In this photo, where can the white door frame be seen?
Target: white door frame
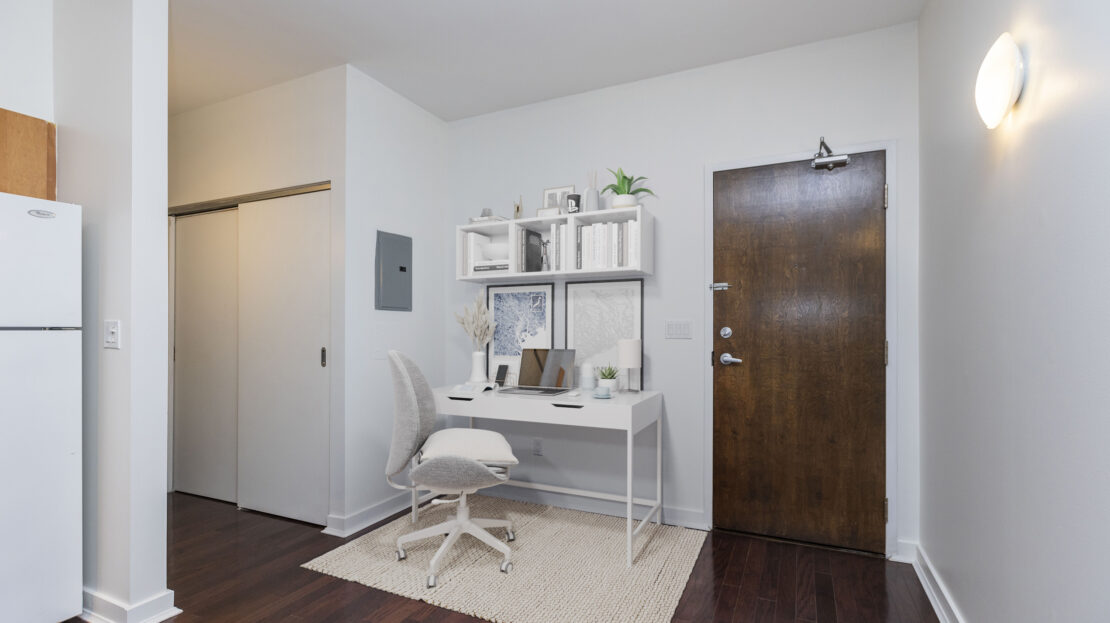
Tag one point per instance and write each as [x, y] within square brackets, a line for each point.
[172, 345]
[891, 323]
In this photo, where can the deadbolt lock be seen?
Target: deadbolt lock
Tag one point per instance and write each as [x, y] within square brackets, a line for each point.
[726, 332]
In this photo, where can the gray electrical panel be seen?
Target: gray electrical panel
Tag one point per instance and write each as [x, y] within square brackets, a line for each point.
[393, 270]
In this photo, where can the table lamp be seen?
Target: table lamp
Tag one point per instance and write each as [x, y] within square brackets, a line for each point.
[629, 357]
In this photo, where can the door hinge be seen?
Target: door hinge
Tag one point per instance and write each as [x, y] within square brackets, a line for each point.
[711, 360]
[324, 357]
[886, 196]
[886, 510]
[886, 353]
[720, 285]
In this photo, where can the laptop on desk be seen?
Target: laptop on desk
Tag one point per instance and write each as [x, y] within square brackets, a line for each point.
[544, 372]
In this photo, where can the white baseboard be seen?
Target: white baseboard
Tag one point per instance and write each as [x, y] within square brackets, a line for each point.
[100, 608]
[345, 526]
[936, 589]
[674, 516]
[906, 552]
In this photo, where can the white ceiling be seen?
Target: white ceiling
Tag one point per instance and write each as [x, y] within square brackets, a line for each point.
[459, 58]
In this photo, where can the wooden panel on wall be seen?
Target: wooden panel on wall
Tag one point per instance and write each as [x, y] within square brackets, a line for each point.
[28, 162]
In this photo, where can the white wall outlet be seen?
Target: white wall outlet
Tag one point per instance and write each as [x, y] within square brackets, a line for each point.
[537, 447]
[678, 330]
[112, 334]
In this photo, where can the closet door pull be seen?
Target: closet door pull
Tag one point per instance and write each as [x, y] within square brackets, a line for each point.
[324, 357]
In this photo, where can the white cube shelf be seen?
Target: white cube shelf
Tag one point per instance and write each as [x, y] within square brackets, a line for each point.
[640, 262]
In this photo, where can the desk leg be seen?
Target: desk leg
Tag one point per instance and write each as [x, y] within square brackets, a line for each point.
[659, 470]
[629, 502]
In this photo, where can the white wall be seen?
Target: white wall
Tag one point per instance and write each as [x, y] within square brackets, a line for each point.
[111, 100]
[386, 159]
[284, 135]
[27, 57]
[1015, 297]
[853, 90]
[396, 182]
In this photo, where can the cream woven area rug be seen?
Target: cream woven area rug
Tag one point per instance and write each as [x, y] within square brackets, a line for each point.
[567, 566]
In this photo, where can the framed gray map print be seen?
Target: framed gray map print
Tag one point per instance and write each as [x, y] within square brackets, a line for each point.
[522, 315]
[599, 313]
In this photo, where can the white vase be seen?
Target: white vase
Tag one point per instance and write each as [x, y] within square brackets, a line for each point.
[478, 368]
[610, 383]
[624, 201]
[591, 199]
[586, 378]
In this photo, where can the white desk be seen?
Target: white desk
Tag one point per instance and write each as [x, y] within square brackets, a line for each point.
[629, 412]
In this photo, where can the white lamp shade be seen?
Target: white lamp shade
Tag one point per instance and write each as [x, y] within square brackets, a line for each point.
[628, 353]
[1001, 77]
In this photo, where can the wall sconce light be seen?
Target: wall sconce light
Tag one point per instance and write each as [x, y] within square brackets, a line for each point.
[1001, 77]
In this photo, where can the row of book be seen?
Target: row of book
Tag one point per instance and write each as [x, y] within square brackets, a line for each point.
[603, 246]
[597, 246]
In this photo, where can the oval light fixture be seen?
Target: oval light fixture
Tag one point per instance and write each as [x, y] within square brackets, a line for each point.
[1001, 77]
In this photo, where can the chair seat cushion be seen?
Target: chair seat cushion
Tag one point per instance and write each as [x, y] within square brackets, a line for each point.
[484, 446]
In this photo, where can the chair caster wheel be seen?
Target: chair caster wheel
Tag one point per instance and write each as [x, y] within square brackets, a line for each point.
[506, 567]
[431, 581]
[401, 554]
[510, 536]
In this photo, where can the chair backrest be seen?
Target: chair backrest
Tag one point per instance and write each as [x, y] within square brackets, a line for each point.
[414, 412]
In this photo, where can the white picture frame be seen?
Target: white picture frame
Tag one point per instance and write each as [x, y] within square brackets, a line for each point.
[523, 315]
[598, 314]
[555, 198]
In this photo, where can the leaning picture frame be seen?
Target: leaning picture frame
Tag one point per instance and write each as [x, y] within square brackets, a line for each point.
[600, 313]
[555, 198]
[523, 315]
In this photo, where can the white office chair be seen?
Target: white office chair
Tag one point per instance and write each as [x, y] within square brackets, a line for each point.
[453, 461]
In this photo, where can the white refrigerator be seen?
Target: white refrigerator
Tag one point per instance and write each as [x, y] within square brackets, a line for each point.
[40, 410]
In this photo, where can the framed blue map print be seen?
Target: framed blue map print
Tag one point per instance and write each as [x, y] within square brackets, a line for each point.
[522, 315]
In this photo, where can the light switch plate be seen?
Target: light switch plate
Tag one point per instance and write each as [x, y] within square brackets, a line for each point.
[678, 330]
[112, 334]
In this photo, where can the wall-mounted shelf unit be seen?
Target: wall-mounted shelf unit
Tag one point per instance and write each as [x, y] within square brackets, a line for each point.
[616, 243]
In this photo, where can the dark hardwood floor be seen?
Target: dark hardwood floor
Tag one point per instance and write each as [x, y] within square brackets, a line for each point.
[231, 565]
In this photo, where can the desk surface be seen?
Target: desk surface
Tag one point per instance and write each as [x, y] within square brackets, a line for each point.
[623, 411]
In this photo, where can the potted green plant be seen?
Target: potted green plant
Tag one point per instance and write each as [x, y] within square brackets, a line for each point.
[623, 191]
[607, 377]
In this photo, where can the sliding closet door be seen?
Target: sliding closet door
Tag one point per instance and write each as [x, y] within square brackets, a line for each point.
[206, 343]
[284, 308]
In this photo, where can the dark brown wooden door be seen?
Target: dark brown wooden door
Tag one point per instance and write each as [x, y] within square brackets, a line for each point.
[799, 425]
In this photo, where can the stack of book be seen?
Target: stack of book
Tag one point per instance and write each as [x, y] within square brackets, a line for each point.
[606, 246]
[476, 259]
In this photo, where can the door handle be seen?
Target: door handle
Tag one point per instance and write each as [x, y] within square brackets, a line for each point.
[727, 359]
[324, 357]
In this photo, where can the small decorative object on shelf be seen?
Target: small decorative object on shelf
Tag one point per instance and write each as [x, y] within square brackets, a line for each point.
[518, 208]
[625, 194]
[487, 215]
[574, 203]
[590, 197]
[478, 323]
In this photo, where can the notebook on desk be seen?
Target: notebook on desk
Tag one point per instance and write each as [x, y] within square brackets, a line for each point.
[544, 372]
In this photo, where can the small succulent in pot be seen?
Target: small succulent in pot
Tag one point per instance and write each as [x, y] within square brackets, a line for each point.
[608, 372]
[625, 194]
[607, 377]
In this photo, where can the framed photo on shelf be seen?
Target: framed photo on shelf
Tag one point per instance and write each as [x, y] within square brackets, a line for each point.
[598, 314]
[555, 198]
[523, 314]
